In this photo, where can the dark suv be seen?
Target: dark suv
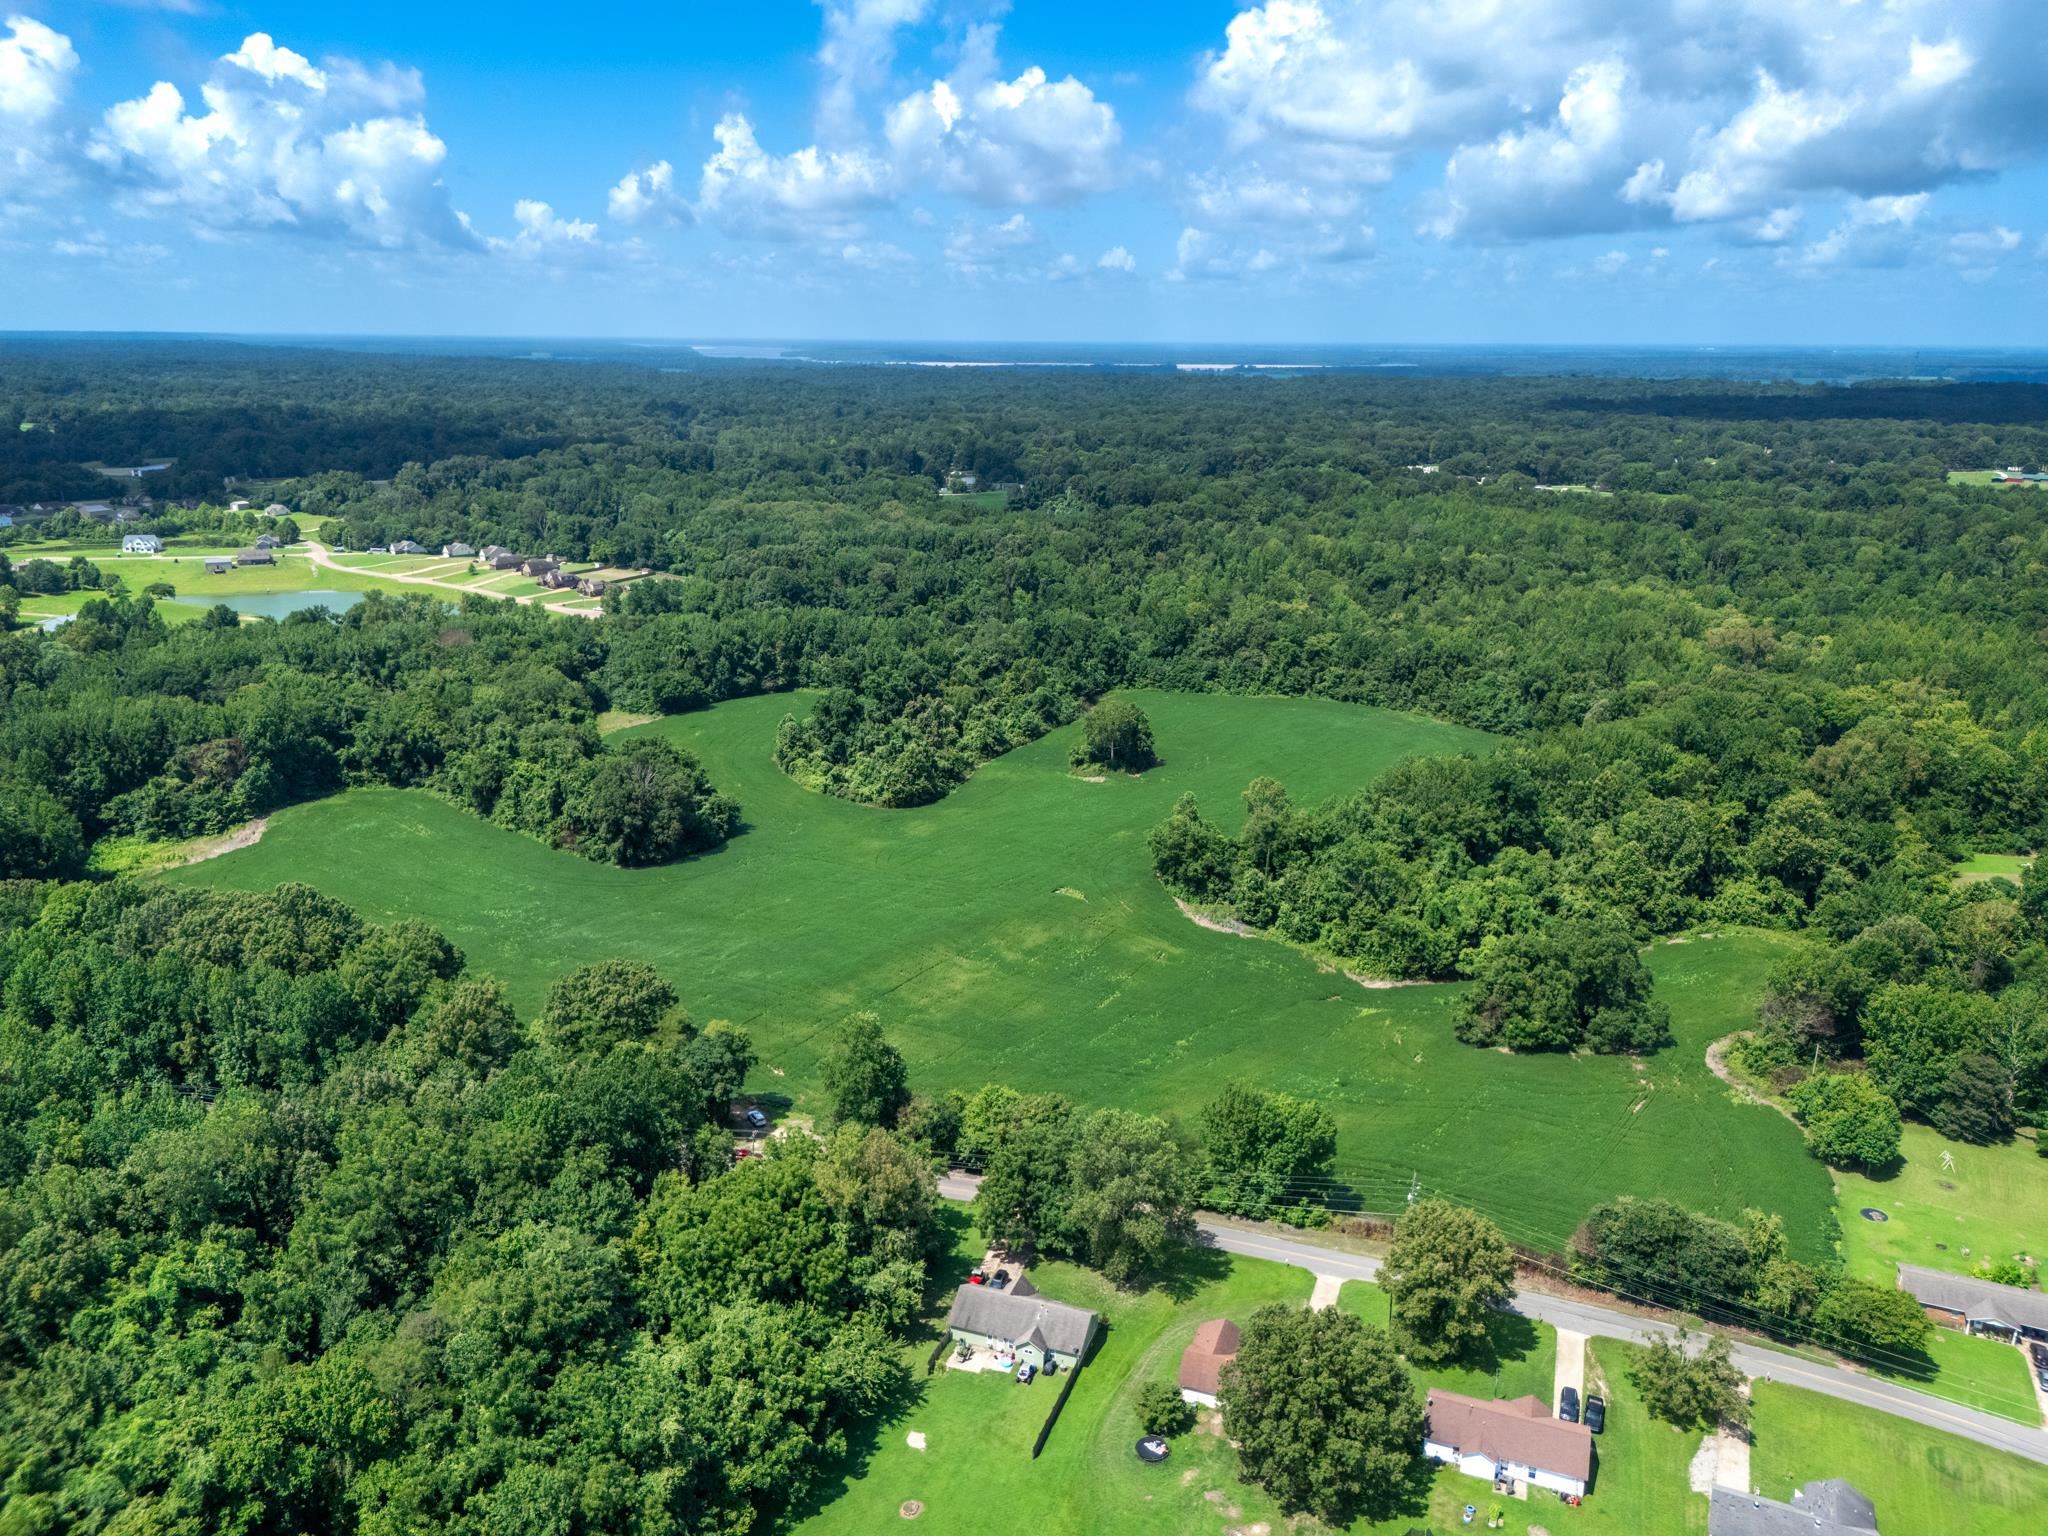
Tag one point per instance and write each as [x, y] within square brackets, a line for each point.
[1596, 1413]
[1568, 1405]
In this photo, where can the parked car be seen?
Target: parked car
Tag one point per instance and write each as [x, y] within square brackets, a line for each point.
[1568, 1405]
[1002, 1278]
[1596, 1413]
[1025, 1372]
[757, 1120]
[2039, 1353]
[977, 1278]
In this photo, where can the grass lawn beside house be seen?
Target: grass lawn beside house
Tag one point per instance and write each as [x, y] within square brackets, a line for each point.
[1991, 1204]
[1923, 1482]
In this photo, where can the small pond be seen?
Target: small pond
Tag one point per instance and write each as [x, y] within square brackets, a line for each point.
[276, 605]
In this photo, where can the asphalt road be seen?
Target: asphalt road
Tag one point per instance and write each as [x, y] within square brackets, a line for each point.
[1609, 1323]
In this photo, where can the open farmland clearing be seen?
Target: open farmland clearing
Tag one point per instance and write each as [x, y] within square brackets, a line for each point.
[950, 920]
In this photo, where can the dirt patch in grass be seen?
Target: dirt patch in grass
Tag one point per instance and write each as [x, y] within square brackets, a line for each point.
[227, 842]
[1228, 925]
[1717, 1063]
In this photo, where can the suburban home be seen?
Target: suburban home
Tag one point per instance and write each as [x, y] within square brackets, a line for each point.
[591, 586]
[540, 565]
[557, 579]
[1202, 1362]
[94, 511]
[492, 551]
[141, 544]
[408, 547]
[1021, 1324]
[961, 480]
[1977, 1306]
[218, 565]
[457, 552]
[1513, 1441]
[277, 509]
[254, 557]
[505, 560]
[1832, 1508]
[267, 541]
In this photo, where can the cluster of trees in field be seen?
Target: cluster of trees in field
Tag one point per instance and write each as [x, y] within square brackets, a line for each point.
[303, 1229]
[1936, 1010]
[121, 724]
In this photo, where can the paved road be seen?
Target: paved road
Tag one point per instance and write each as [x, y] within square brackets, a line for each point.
[1610, 1323]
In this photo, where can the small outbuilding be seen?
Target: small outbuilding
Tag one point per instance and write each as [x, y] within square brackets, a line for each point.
[1021, 1325]
[1514, 1441]
[141, 544]
[1831, 1508]
[1201, 1363]
[218, 565]
[1977, 1306]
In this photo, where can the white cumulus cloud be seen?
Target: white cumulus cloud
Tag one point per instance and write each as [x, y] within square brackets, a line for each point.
[649, 197]
[809, 192]
[1666, 111]
[1117, 259]
[277, 142]
[1002, 142]
[37, 65]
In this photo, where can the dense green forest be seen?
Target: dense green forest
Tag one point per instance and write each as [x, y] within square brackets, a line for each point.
[302, 1230]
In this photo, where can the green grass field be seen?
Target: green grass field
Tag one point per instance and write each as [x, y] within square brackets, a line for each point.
[1992, 866]
[1014, 932]
[1922, 1481]
[1519, 1360]
[1991, 1204]
[1983, 477]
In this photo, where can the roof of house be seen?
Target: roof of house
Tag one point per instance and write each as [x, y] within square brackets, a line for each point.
[1214, 1347]
[1831, 1508]
[1028, 1319]
[1519, 1430]
[254, 556]
[1978, 1300]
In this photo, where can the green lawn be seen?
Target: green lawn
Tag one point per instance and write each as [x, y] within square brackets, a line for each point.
[1014, 932]
[1983, 477]
[1979, 867]
[1991, 1204]
[1922, 1481]
[1519, 1360]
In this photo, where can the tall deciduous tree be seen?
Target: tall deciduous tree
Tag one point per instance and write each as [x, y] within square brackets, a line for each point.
[1265, 1150]
[864, 1076]
[1448, 1270]
[1694, 1390]
[1133, 1193]
[1322, 1411]
[1115, 735]
[1848, 1119]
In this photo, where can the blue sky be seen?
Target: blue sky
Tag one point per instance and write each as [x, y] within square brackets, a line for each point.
[1686, 171]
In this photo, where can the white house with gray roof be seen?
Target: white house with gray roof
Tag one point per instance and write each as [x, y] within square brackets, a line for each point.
[1022, 1323]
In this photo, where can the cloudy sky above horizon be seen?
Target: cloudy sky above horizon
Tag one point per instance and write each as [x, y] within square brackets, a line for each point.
[1692, 171]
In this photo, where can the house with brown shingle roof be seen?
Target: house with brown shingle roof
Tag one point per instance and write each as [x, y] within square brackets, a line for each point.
[1201, 1363]
[1515, 1440]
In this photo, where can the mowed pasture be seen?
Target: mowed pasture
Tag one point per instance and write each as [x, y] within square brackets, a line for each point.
[1014, 932]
